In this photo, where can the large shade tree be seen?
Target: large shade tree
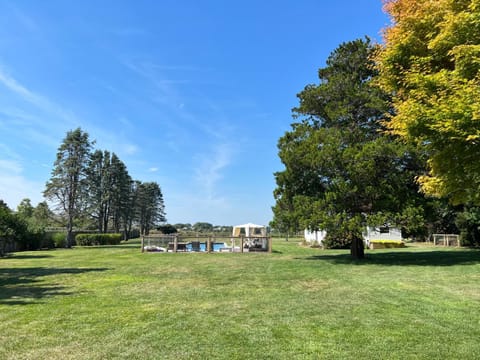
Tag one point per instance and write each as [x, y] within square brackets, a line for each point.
[431, 62]
[341, 171]
[66, 187]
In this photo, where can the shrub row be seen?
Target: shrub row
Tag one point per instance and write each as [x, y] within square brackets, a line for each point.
[98, 239]
[385, 244]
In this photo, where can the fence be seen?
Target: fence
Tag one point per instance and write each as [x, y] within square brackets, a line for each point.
[206, 243]
[446, 239]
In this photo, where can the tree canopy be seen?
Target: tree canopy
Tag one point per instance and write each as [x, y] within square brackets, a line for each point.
[95, 190]
[66, 187]
[150, 207]
[431, 61]
[340, 169]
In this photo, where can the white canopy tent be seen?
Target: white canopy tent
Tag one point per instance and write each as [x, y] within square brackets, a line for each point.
[249, 230]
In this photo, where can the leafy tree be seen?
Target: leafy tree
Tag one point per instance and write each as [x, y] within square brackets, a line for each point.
[66, 186]
[185, 227]
[42, 215]
[31, 224]
[13, 228]
[26, 212]
[25, 209]
[3, 205]
[341, 172]
[468, 223]
[223, 229]
[203, 227]
[431, 62]
[167, 229]
[285, 219]
[5, 214]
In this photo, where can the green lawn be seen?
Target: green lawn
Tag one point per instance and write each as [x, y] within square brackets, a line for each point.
[296, 303]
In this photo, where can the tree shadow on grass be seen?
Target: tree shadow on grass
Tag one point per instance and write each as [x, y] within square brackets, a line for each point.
[27, 256]
[19, 286]
[403, 258]
[117, 247]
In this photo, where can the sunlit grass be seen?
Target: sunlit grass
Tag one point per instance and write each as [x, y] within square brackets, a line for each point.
[296, 303]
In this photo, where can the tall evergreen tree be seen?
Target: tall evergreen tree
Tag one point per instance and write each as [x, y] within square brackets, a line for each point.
[129, 212]
[120, 191]
[109, 187]
[67, 183]
[99, 188]
[150, 208]
[341, 171]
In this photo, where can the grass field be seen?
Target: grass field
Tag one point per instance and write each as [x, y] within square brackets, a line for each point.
[296, 303]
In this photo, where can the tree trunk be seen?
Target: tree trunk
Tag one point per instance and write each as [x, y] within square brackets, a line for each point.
[100, 223]
[2, 246]
[69, 239]
[357, 250]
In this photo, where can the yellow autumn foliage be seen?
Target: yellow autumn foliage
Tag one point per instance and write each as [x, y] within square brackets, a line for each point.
[430, 61]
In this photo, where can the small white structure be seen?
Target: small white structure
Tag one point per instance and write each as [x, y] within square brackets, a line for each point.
[314, 237]
[382, 233]
[371, 233]
[249, 230]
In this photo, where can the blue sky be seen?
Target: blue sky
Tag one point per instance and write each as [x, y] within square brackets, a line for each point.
[191, 94]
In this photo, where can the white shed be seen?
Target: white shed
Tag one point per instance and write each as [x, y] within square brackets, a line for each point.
[382, 233]
[371, 233]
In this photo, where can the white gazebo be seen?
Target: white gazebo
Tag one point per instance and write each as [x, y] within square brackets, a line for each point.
[249, 230]
[253, 237]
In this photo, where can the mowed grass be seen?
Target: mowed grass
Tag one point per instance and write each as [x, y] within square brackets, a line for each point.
[296, 303]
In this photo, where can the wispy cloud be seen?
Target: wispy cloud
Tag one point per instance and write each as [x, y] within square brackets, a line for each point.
[125, 122]
[131, 149]
[14, 186]
[208, 173]
[50, 132]
[23, 19]
[9, 152]
[26, 120]
[10, 166]
[209, 131]
[154, 74]
[28, 125]
[36, 99]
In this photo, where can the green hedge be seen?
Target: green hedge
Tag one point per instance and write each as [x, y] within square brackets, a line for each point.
[385, 244]
[98, 239]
